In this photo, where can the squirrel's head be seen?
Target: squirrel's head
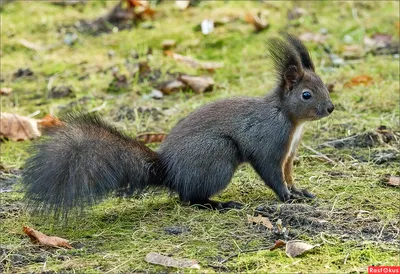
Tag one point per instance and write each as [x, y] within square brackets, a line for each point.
[302, 92]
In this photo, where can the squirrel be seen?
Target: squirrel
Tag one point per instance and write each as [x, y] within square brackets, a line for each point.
[85, 159]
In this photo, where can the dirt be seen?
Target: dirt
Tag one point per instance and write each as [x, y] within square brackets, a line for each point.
[61, 91]
[23, 72]
[176, 230]
[129, 113]
[8, 178]
[366, 139]
[300, 219]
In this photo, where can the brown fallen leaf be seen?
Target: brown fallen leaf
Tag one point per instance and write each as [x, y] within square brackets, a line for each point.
[394, 181]
[353, 52]
[168, 44]
[296, 247]
[42, 239]
[171, 86]
[277, 244]
[378, 40]
[155, 258]
[205, 65]
[359, 80]
[260, 220]
[141, 9]
[18, 128]
[148, 138]
[257, 21]
[5, 91]
[198, 84]
[312, 37]
[330, 87]
[382, 44]
[49, 121]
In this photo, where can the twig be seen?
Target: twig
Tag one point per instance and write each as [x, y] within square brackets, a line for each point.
[345, 259]
[34, 114]
[218, 266]
[98, 108]
[320, 155]
[381, 232]
[338, 141]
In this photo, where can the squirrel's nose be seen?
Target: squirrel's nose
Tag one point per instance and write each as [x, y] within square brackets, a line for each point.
[330, 108]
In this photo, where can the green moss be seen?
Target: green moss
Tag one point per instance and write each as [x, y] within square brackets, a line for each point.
[118, 233]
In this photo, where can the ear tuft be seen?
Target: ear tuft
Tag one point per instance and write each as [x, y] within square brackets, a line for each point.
[286, 61]
[301, 50]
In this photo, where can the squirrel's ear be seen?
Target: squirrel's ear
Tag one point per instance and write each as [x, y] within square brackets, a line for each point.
[292, 75]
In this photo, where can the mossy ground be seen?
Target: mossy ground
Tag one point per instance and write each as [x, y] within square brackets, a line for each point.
[355, 218]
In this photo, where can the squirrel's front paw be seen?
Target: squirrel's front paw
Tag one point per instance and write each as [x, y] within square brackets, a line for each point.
[284, 195]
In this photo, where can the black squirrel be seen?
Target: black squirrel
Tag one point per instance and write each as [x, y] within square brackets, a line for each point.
[83, 160]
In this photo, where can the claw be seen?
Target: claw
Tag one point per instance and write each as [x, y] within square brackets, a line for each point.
[307, 194]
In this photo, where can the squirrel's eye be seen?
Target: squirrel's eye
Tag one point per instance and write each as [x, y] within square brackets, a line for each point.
[306, 95]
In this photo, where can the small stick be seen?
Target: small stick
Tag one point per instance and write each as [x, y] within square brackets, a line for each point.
[345, 259]
[320, 155]
[338, 141]
[98, 108]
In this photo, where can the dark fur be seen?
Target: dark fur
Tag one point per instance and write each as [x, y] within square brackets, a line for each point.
[86, 159]
[80, 163]
[305, 57]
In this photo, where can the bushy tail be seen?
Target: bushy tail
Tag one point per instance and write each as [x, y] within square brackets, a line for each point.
[82, 161]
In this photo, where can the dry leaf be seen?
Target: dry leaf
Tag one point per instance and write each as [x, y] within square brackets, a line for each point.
[296, 247]
[49, 121]
[257, 21]
[141, 9]
[148, 138]
[330, 87]
[18, 128]
[198, 84]
[277, 244]
[296, 13]
[353, 52]
[380, 44]
[210, 66]
[359, 80]
[155, 258]
[171, 86]
[182, 4]
[378, 40]
[168, 44]
[5, 91]
[260, 220]
[156, 94]
[42, 239]
[394, 181]
[312, 37]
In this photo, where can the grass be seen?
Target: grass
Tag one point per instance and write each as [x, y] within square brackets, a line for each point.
[361, 212]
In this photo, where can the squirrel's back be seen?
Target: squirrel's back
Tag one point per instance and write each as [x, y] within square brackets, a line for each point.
[202, 152]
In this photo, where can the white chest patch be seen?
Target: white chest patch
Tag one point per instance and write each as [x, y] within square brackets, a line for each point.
[296, 138]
